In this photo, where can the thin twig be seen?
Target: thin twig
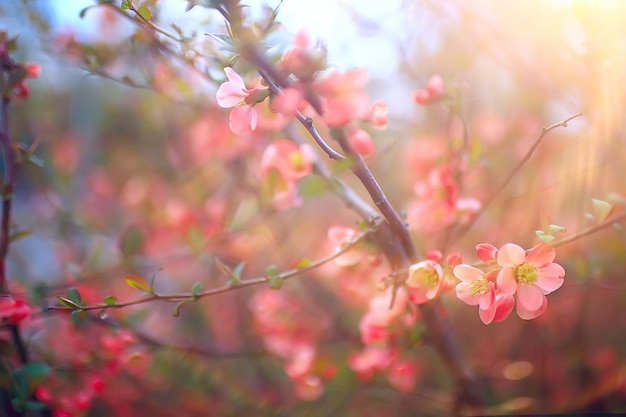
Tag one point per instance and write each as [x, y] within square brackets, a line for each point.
[466, 226]
[176, 297]
[589, 231]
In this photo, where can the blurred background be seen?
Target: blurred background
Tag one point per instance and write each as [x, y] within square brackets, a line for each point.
[137, 173]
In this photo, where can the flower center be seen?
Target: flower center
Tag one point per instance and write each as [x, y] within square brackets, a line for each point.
[479, 287]
[296, 160]
[428, 278]
[526, 274]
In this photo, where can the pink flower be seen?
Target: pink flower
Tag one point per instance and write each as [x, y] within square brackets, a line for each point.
[234, 93]
[476, 289]
[376, 323]
[290, 160]
[13, 310]
[531, 276]
[341, 236]
[402, 375]
[487, 253]
[343, 97]
[433, 91]
[370, 360]
[377, 114]
[425, 281]
[360, 140]
[283, 163]
[302, 60]
[437, 204]
[287, 102]
[309, 388]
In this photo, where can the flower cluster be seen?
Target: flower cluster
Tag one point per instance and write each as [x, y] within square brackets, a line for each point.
[428, 278]
[433, 91]
[438, 204]
[289, 333]
[382, 328]
[284, 163]
[512, 275]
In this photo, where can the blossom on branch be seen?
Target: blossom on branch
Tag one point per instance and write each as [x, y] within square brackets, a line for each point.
[425, 281]
[531, 276]
[512, 274]
[234, 94]
[343, 97]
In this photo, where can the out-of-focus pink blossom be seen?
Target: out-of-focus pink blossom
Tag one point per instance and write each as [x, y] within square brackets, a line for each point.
[377, 114]
[340, 236]
[292, 161]
[288, 101]
[360, 140]
[302, 60]
[437, 204]
[343, 97]
[283, 163]
[375, 324]
[370, 360]
[402, 375]
[309, 388]
[13, 310]
[424, 282]
[433, 91]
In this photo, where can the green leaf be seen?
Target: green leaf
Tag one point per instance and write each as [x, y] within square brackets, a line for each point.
[82, 13]
[196, 239]
[110, 300]
[343, 165]
[19, 234]
[144, 12]
[312, 186]
[303, 263]
[74, 295]
[554, 228]
[276, 282]
[545, 238]
[239, 269]
[601, 209]
[153, 277]
[138, 283]
[195, 290]
[65, 302]
[131, 241]
[271, 272]
[224, 269]
[247, 209]
[179, 306]
[124, 6]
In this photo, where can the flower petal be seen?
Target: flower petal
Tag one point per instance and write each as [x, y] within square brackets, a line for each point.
[486, 300]
[530, 296]
[541, 255]
[511, 255]
[464, 294]
[487, 316]
[240, 118]
[504, 305]
[506, 281]
[525, 314]
[467, 273]
[550, 277]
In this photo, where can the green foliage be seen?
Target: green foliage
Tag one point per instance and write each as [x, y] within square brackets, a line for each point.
[132, 241]
[139, 283]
